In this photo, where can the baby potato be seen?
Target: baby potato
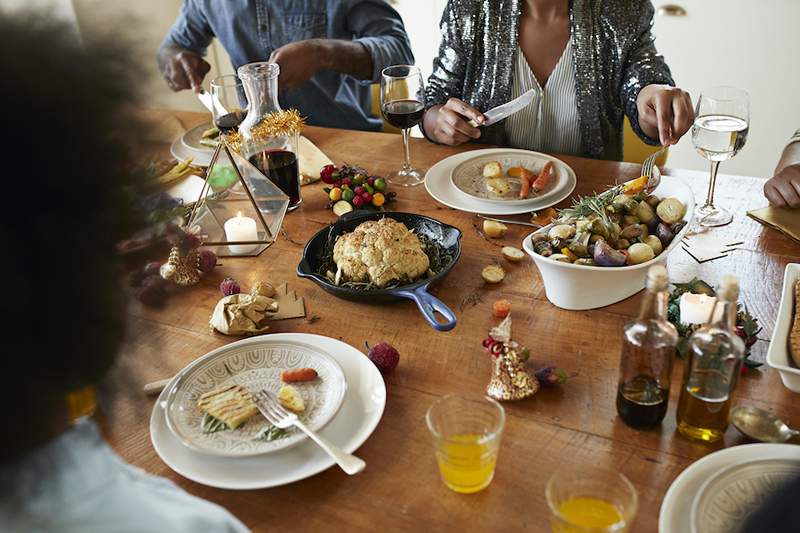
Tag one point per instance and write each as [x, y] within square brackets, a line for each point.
[512, 254]
[671, 210]
[493, 274]
[492, 169]
[655, 243]
[493, 229]
[639, 253]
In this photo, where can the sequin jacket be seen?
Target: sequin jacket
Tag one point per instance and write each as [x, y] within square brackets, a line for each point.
[614, 56]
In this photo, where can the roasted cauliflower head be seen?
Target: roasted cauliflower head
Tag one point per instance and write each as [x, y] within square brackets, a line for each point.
[379, 252]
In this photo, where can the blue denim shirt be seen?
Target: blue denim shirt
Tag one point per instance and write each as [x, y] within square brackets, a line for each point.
[251, 29]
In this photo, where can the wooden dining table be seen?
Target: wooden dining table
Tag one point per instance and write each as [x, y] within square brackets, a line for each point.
[574, 425]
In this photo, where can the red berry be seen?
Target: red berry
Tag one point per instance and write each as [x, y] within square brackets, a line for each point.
[326, 174]
[367, 197]
[358, 201]
[152, 291]
[347, 181]
[189, 241]
[371, 182]
[384, 356]
[551, 376]
[229, 286]
[359, 190]
[208, 260]
[152, 268]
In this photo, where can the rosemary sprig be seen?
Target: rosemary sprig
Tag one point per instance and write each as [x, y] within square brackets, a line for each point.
[209, 424]
[270, 433]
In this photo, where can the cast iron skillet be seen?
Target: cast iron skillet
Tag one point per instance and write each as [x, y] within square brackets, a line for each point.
[448, 237]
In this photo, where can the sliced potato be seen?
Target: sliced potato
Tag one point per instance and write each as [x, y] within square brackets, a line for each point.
[341, 207]
[290, 398]
[493, 274]
[493, 229]
[492, 169]
[512, 254]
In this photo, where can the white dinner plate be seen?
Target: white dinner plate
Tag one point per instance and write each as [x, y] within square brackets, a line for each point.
[357, 418]
[728, 498]
[675, 513]
[439, 184]
[188, 146]
[256, 366]
[467, 178]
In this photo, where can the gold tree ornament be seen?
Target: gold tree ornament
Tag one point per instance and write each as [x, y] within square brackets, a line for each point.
[239, 211]
[510, 380]
[182, 267]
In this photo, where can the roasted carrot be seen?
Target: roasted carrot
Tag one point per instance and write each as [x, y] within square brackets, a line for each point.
[525, 178]
[298, 374]
[544, 177]
[525, 186]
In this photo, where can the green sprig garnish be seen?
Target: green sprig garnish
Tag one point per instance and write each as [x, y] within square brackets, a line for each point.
[209, 424]
[270, 433]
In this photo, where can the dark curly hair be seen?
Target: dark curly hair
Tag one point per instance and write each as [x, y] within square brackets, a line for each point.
[68, 116]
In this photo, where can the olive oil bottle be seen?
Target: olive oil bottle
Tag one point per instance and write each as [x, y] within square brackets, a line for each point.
[715, 355]
[648, 346]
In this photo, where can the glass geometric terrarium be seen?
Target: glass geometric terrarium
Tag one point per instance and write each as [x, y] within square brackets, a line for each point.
[240, 211]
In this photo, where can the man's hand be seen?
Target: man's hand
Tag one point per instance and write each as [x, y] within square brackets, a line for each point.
[449, 124]
[298, 61]
[182, 69]
[783, 189]
[665, 113]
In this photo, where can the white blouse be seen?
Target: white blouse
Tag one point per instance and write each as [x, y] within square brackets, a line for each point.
[550, 122]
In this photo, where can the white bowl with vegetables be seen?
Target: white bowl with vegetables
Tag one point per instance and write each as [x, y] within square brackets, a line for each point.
[598, 252]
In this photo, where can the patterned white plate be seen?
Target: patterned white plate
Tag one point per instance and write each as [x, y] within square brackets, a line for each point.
[440, 186]
[188, 146]
[727, 499]
[467, 178]
[675, 514]
[256, 366]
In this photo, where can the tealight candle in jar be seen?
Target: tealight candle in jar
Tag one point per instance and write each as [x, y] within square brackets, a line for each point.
[241, 228]
[697, 308]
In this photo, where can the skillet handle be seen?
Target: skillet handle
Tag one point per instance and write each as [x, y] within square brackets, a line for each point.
[429, 305]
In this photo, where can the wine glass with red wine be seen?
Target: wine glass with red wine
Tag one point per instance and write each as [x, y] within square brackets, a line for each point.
[229, 103]
[403, 104]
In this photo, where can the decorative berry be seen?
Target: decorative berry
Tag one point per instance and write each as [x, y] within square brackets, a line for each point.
[347, 181]
[348, 195]
[358, 201]
[391, 196]
[326, 174]
[136, 278]
[367, 197]
[384, 356]
[378, 199]
[369, 189]
[207, 261]
[229, 286]
[335, 195]
[371, 182]
[152, 268]
[152, 291]
[550, 376]
[358, 179]
[379, 184]
[359, 190]
[188, 241]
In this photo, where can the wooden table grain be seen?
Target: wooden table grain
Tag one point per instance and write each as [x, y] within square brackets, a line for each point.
[573, 425]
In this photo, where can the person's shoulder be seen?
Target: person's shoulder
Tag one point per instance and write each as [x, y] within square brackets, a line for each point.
[622, 11]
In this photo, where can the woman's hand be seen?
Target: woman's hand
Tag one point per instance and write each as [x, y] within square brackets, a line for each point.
[665, 112]
[449, 123]
[783, 189]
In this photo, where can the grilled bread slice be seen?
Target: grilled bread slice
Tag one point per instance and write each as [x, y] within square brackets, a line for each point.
[290, 399]
[794, 333]
[231, 404]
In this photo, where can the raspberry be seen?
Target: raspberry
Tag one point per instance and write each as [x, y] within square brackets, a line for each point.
[208, 260]
[384, 356]
[229, 286]
[326, 174]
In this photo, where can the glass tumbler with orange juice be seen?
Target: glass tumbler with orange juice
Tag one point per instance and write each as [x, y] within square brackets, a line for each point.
[591, 500]
[466, 433]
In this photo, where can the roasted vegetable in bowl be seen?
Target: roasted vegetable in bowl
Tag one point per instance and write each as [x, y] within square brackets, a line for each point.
[612, 229]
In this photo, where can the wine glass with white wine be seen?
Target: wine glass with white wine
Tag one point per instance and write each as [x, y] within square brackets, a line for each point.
[722, 120]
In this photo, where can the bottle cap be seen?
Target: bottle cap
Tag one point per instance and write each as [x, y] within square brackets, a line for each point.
[657, 278]
[729, 288]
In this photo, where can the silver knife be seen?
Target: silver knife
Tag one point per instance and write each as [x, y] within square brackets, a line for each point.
[506, 110]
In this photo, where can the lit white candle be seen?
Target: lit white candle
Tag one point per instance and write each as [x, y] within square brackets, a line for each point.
[696, 308]
[241, 228]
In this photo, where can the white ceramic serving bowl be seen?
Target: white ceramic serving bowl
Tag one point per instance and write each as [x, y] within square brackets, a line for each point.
[577, 287]
[778, 353]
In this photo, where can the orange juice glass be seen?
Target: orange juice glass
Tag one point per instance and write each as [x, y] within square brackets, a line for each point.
[466, 433]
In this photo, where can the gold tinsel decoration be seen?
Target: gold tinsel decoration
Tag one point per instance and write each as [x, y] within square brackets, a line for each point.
[182, 269]
[288, 122]
[510, 380]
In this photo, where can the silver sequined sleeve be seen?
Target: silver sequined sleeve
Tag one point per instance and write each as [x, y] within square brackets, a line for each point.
[449, 67]
[643, 66]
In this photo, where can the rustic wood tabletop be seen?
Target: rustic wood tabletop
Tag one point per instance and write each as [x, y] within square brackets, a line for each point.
[572, 425]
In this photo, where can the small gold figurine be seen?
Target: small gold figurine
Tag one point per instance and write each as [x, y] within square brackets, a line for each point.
[182, 268]
[510, 380]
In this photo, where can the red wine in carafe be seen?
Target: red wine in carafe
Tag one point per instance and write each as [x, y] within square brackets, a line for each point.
[228, 123]
[280, 166]
[403, 114]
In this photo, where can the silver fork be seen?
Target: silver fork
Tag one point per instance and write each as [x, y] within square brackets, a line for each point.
[277, 415]
[647, 170]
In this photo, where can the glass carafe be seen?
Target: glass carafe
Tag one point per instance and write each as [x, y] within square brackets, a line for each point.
[274, 154]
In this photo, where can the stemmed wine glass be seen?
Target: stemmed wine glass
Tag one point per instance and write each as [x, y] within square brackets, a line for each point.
[228, 102]
[403, 104]
[722, 119]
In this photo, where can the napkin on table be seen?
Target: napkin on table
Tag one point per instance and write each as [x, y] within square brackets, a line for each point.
[704, 247]
[312, 159]
[787, 221]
